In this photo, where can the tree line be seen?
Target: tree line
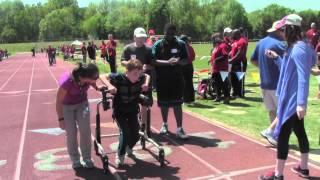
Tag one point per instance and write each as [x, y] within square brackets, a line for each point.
[65, 20]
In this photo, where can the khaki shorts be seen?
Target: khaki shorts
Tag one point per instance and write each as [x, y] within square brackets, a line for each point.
[270, 99]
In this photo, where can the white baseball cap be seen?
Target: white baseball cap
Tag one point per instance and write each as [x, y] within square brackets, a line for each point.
[227, 30]
[275, 26]
[140, 32]
[291, 19]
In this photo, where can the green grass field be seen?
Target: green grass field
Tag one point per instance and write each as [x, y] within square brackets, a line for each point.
[247, 115]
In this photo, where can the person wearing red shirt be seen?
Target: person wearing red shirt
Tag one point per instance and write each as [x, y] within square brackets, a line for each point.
[111, 46]
[84, 52]
[227, 32]
[313, 35]
[152, 38]
[237, 60]
[51, 55]
[219, 63]
[103, 50]
[187, 70]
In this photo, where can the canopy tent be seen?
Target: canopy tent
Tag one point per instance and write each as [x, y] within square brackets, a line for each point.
[76, 42]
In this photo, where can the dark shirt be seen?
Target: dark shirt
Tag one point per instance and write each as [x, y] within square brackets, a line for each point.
[127, 97]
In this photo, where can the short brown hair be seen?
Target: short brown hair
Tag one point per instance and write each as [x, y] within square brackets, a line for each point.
[133, 64]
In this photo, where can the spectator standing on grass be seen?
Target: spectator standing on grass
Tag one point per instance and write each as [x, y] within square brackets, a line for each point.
[92, 52]
[187, 69]
[313, 35]
[84, 52]
[237, 60]
[269, 73]
[219, 63]
[111, 47]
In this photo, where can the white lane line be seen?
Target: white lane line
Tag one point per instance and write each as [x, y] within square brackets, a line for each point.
[5, 83]
[23, 132]
[238, 172]
[205, 163]
[220, 125]
[12, 92]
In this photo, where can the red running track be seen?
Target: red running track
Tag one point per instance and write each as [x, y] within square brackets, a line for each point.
[33, 148]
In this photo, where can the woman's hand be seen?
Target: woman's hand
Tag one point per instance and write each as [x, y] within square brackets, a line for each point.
[301, 112]
[271, 54]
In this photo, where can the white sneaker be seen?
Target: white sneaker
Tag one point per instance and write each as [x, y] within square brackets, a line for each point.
[268, 134]
[119, 161]
[181, 134]
[272, 141]
[164, 128]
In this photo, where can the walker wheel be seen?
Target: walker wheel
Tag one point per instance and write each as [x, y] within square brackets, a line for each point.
[105, 164]
[143, 142]
[161, 157]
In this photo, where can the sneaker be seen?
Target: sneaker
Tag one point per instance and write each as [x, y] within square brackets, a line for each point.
[272, 141]
[268, 134]
[164, 128]
[181, 134]
[301, 172]
[270, 176]
[119, 161]
[77, 165]
[88, 164]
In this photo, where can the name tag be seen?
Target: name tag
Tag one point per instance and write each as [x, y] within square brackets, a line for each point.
[133, 56]
[174, 51]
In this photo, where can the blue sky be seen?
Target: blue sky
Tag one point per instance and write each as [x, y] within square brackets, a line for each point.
[249, 5]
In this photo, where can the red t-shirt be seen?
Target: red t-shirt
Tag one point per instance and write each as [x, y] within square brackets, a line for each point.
[318, 51]
[103, 49]
[111, 47]
[239, 45]
[192, 54]
[222, 64]
[84, 50]
[312, 35]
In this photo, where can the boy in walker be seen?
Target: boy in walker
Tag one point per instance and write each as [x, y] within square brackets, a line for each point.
[126, 89]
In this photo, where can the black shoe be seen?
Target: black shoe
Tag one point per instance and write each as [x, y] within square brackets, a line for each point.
[301, 172]
[226, 100]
